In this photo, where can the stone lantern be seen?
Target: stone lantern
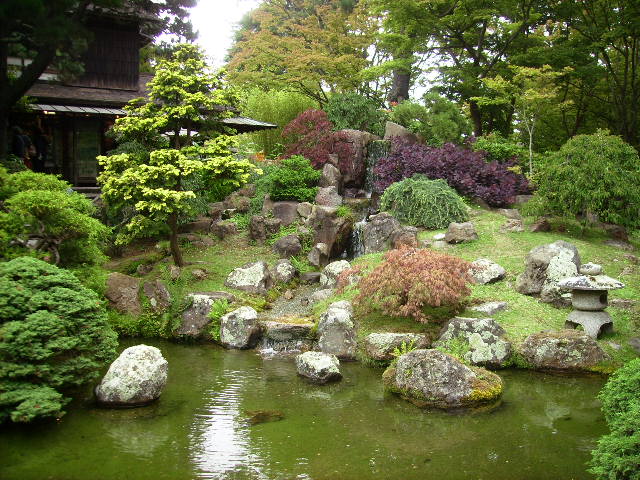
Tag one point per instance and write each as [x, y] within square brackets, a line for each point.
[589, 292]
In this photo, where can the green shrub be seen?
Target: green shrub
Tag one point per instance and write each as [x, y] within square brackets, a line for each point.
[219, 308]
[597, 174]
[424, 203]
[618, 454]
[54, 337]
[351, 110]
[241, 220]
[43, 216]
[500, 149]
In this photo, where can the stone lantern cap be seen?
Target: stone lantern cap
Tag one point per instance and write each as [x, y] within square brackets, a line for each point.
[588, 282]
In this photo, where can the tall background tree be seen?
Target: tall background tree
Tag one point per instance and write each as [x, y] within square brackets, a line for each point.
[54, 33]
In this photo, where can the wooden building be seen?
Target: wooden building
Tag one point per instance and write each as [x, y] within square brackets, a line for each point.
[75, 115]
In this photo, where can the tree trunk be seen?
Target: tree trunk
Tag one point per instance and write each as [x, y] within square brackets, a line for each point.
[476, 118]
[400, 86]
[173, 240]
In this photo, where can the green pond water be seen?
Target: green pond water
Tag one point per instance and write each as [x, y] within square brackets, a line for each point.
[205, 427]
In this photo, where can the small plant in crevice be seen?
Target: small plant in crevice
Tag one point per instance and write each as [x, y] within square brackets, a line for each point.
[301, 264]
[219, 308]
[404, 348]
[457, 347]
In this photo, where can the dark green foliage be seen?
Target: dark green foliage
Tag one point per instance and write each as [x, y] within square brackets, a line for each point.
[43, 212]
[500, 149]
[54, 337]
[598, 174]
[351, 110]
[13, 164]
[617, 456]
[292, 179]
[424, 203]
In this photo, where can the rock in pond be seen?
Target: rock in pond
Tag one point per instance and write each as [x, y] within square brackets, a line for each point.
[283, 337]
[137, 377]
[484, 337]
[430, 378]
[566, 350]
[196, 317]
[240, 329]
[252, 277]
[318, 367]
[380, 346]
[336, 331]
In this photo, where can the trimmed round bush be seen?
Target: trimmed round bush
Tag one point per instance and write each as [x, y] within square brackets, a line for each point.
[424, 203]
[54, 337]
[598, 174]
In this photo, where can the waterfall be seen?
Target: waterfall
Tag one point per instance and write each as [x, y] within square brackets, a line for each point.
[357, 239]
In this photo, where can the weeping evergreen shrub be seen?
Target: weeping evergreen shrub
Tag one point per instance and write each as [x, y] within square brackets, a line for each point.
[422, 202]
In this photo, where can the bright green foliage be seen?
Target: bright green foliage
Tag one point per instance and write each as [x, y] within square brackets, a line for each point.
[351, 110]
[424, 203]
[292, 179]
[43, 212]
[54, 337]
[438, 121]
[219, 308]
[596, 173]
[499, 149]
[278, 107]
[618, 454]
[163, 186]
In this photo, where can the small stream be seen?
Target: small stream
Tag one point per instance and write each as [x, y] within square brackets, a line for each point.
[202, 428]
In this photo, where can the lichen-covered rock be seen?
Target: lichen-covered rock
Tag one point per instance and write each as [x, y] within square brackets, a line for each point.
[318, 367]
[485, 271]
[490, 308]
[284, 271]
[319, 255]
[545, 267]
[320, 295]
[328, 197]
[195, 318]
[460, 232]
[590, 269]
[330, 229]
[252, 277]
[568, 350]
[381, 346]
[240, 329]
[487, 347]
[430, 378]
[287, 246]
[330, 273]
[158, 295]
[512, 226]
[122, 293]
[257, 229]
[137, 377]
[378, 233]
[331, 177]
[336, 331]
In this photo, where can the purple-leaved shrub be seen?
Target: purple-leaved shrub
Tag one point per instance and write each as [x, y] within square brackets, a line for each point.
[464, 170]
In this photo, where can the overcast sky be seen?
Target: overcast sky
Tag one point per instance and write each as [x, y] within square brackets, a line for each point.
[214, 20]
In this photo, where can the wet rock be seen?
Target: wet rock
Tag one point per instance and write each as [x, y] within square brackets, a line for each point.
[240, 329]
[287, 246]
[318, 367]
[569, 350]
[354, 167]
[319, 255]
[309, 278]
[490, 308]
[430, 378]
[328, 197]
[331, 177]
[287, 212]
[252, 277]
[195, 318]
[378, 233]
[485, 271]
[381, 346]
[333, 231]
[484, 336]
[286, 337]
[256, 417]
[461, 232]
[330, 273]
[336, 332]
[545, 267]
[137, 377]
[122, 293]
[158, 295]
[224, 229]
[284, 271]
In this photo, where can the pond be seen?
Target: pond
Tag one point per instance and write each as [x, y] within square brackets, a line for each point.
[235, 415]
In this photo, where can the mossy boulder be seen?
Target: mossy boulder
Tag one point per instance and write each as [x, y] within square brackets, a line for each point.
[433, 379]
[564, 350]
